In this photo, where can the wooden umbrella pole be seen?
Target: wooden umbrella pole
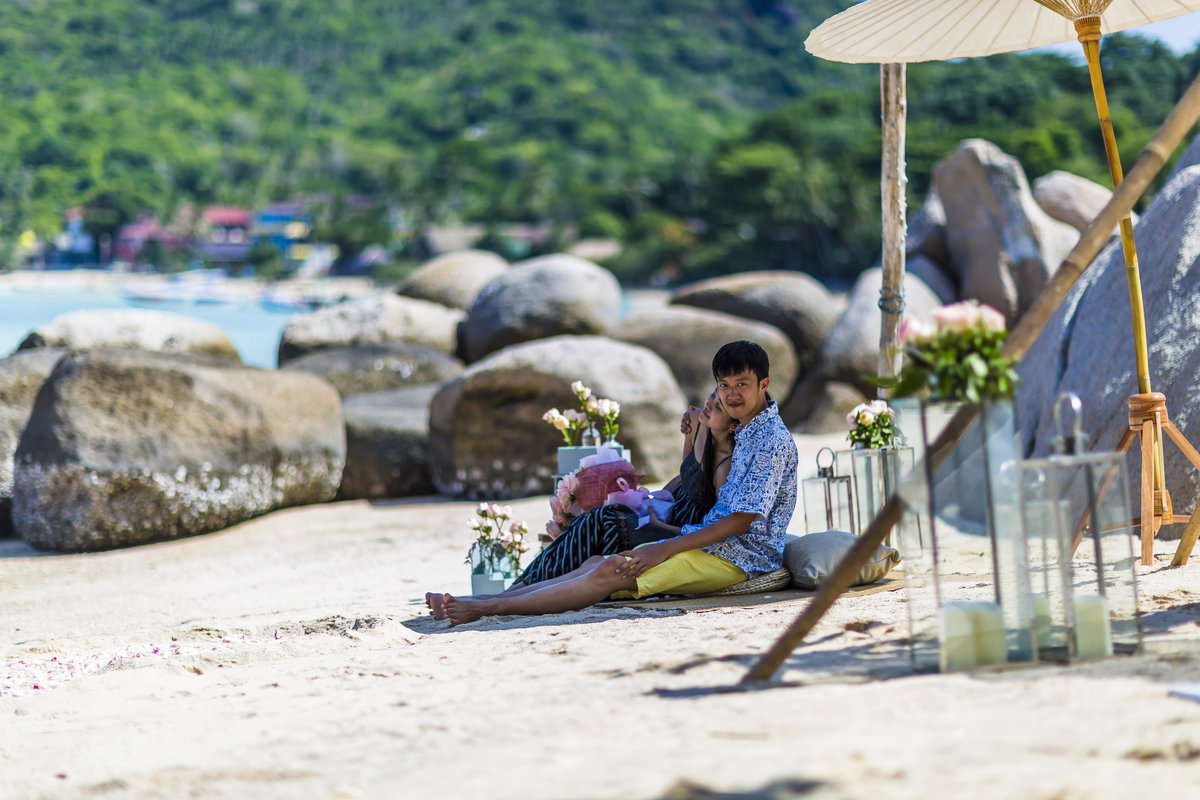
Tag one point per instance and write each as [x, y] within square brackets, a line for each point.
[1088, 30]
[1182, 117]
[894, 111]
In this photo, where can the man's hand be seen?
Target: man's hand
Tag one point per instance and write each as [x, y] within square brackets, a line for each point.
[643, 558]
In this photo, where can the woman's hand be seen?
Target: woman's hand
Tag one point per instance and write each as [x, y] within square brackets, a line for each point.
[657, 522]
[642, 559]
[685, 424]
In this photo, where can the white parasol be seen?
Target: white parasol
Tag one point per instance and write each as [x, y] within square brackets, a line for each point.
[885, 31]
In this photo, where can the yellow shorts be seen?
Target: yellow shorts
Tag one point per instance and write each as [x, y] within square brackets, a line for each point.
[689, 572]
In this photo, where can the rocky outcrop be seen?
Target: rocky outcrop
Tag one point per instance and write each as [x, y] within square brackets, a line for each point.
[539, 298]
[1071, 199]
[387, 444]
[371, 320]
[793, 302]
[487, 438]
[127, 447]
[926, 235]
[851, 351]
[21, 377]
[378, 367]
[828, 409]
[934, 278]
[453, 279]
[1002, 246]
[688, 338]
[1087, 347]
[134, 328]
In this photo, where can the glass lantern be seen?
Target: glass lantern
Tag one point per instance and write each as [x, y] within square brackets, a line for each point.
[966, 570]
[827, 503]
[1081, 547]
[874, 477]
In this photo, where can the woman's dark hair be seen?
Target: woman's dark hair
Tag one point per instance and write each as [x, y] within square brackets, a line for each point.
[741, 356]
[708, 469]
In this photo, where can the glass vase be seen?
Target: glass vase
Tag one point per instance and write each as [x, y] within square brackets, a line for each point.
[966, 569]
[569, 457]
[1082, 553]
[874, 476]
[611, 443]
[492, 569]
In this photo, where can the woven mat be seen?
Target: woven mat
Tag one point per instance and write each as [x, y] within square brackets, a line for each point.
[888, 584]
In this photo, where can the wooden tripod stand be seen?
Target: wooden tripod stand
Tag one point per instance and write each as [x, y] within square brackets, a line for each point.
[1148, 418]
[1148, 421]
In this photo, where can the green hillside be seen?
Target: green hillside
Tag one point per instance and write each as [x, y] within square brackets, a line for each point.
[698, 131]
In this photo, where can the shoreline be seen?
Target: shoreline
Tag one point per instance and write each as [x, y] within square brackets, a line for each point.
[101, 279]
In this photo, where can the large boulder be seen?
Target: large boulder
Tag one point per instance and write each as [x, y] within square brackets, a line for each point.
[125, 447]
[539, 298]
[828, 409]
[378, 367]
[851, 351]
[793, 302]
[1087, 347]
[1071, 198]
[21, 377]
[1003, 247]
[487, 438]
[1190, 157]
[135, 328]
[934, 278]
[687, 338]
[926, 235]
[453, 279]
[371, 320]
[387, 444]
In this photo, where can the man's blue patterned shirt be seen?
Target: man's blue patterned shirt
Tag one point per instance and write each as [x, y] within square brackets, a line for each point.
[762, 481]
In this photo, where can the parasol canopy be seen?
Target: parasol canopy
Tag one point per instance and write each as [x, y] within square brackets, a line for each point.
[904, 31]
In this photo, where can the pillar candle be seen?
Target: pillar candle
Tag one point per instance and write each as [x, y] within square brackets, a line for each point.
[956, 638]
[971, 634]
[1093, 632]
[987, 622]
[1041, 617]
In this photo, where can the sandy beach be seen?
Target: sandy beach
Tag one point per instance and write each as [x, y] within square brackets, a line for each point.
[291, 657]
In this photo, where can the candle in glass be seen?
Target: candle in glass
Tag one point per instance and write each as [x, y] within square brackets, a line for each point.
[1093, 633]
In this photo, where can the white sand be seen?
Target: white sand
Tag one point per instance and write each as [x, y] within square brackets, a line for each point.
[290, 657]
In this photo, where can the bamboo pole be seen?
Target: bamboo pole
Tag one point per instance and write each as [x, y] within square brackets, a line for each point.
[1182, 117]
[1088, 31]
[893, 102]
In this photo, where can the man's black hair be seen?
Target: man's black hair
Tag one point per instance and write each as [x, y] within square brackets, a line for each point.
[741, 356]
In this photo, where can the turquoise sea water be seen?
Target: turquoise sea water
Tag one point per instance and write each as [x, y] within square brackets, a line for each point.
[253, 329]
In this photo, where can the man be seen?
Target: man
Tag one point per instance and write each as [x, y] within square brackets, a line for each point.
[741, 537]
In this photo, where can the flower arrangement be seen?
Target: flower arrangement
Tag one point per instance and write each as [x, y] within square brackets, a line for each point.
[497, 538]
[608, 411]
[872, 424]
[572, 424]
[958, 357]
[563, 507]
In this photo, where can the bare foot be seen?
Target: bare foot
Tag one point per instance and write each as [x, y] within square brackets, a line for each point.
[434, 601]
[463, 609]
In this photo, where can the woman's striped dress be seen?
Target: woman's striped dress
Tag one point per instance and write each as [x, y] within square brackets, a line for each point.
[605, 530]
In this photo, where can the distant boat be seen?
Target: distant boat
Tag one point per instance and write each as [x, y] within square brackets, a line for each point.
[286, 301]
[197, 287]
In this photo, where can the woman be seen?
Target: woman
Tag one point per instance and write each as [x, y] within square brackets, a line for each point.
[613, 528]
[708, 449]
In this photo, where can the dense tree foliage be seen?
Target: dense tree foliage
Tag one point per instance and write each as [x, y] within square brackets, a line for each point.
[700, 132]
